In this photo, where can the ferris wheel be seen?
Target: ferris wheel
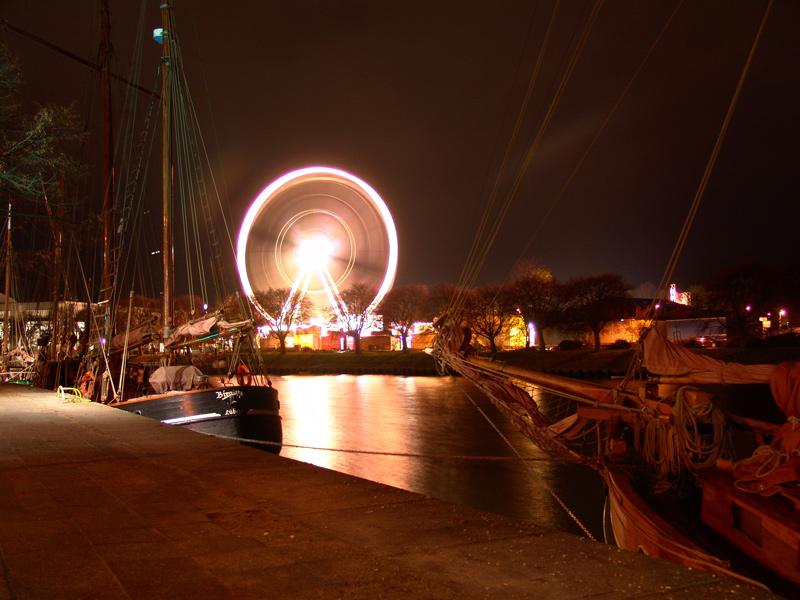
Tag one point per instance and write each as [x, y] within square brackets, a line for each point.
[317, 231]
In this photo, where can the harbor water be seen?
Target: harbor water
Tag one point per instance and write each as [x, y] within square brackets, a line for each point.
[437, 436]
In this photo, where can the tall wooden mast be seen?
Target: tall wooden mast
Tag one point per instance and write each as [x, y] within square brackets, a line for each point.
[6, 328]
[108, 159]
[166, 170]
[55, 332]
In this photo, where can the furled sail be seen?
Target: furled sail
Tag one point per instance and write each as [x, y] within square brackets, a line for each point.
[214, 324]
[663, 358]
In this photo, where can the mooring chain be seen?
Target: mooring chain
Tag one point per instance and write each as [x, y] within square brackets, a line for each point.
[555, 496]
[383, 453]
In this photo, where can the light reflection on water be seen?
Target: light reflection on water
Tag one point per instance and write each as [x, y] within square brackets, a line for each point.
[432, 417]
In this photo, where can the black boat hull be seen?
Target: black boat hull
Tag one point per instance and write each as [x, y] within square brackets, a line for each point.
[248, 413]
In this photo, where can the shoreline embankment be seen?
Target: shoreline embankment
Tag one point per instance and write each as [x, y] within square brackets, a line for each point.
[582, 364]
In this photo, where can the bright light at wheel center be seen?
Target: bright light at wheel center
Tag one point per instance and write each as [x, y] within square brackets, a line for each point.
[314, 252]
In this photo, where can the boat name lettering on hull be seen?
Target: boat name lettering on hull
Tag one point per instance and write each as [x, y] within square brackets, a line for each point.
[229, 394]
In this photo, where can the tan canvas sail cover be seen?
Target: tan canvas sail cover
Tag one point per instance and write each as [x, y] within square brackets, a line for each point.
[167, 379]
[662, 357]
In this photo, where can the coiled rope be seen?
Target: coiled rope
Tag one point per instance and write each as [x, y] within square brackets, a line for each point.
[671, 448]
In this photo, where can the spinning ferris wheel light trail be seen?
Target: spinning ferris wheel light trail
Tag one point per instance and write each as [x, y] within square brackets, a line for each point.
[312, 256]
[317, 231]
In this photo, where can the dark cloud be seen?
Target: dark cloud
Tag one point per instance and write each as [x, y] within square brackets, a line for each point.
[419, 98]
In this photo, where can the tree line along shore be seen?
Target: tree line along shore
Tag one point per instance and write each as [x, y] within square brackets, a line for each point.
[575, 363]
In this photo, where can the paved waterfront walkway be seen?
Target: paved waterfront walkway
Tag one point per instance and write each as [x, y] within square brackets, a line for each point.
[99, 503]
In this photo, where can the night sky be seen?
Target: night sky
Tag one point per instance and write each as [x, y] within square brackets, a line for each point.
[419, 98]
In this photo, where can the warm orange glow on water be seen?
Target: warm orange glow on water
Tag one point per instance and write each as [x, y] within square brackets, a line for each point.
[414, 432]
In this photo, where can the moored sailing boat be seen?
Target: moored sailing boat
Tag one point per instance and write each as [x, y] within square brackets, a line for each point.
[688, 480]
[691, 477]
[243, 406]
[148, 370]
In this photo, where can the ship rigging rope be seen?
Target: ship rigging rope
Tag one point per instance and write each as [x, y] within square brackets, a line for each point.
[194, 163]
[130, 155]
[597, 136]
[131, 218]
[517, 127]
[478, 257]
[676, 252]
[137, 161]
[225, 207]
[550, 490]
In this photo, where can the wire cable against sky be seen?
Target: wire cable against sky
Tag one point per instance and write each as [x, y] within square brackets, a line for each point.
[676, 252]
[472, 268]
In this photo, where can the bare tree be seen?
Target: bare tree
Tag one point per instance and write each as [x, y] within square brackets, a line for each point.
[234, 308]
[36, 143]
[488, 311]
[440, 297]
[536, 294]
[187, 307]
[404, 306]
[354, 314]
[789, 294]
[283, 311]
[32, 154]
[596, 300]
[743, 293]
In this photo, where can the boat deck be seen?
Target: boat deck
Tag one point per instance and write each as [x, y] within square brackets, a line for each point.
[96, 502]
